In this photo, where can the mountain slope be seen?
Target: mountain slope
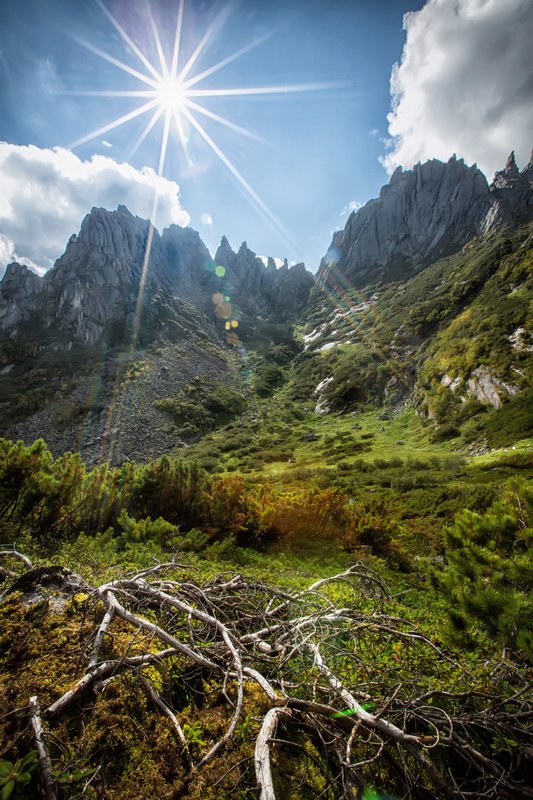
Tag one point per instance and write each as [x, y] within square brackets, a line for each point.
[116, 351]
[457, 331]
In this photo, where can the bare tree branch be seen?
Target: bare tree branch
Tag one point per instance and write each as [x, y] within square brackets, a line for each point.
[42, 750]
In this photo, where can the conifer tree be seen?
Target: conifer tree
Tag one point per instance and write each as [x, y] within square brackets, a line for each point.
[489, 571]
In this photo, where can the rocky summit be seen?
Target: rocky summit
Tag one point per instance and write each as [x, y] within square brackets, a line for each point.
[125, 320]
[424, 214]
[259, 290]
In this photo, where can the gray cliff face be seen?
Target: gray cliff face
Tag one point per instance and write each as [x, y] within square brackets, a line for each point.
[188, 267]
[422, 215]
[20, 290]
[259, 290]
[98, 274]
[97, 280]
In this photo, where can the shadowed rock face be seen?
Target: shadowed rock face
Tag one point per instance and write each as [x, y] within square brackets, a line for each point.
[98, 277]
[97, 280]
[20, 290]
[424, 214]
[256, 289]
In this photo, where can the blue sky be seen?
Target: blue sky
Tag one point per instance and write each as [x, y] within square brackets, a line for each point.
[321, 148]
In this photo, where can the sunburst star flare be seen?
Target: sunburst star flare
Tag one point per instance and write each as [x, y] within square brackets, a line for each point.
[170, 92]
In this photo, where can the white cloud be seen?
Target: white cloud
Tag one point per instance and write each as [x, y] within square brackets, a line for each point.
[107, 144]
[206, 219]
[46, 193]
[9, 254]
[374, 132]
[353, 205]
[464, 84]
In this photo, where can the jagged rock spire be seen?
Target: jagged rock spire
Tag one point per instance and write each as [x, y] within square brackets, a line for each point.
[511, 167]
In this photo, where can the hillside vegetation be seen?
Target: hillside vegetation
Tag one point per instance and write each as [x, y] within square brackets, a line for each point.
[429, 334]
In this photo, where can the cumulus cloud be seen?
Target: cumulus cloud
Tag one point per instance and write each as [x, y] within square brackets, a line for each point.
[46, 193]
[464, 84]
[9, 254]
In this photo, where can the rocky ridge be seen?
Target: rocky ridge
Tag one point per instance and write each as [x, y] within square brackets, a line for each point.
[256, 289]
[20, 290]
[97, 279]
[422, 215]
[84, 362]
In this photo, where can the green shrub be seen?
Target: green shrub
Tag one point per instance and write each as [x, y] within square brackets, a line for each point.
[446, 431]
[489, 569]
[268, 376]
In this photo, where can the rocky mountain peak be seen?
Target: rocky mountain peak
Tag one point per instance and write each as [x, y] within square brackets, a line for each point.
[512, 193]
[118, 232]
[511, 167]
[185, 264]
[96, 281]
[20, 288]
[507, 177]
[259, 289]
[296, 269]
[19, 274]
[424, 214]
[224, 252]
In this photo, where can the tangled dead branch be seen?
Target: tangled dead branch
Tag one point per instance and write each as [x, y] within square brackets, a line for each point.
[318, 658]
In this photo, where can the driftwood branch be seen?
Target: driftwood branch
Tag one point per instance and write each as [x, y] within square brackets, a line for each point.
[18, 557]
[42, 750]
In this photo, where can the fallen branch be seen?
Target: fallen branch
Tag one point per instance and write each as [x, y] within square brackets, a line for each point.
[42, 750]
[263, 768]
[18, 557]
[308, 653]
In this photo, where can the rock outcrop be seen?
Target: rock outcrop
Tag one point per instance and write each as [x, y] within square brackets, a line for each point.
[258, 290]
[20, 290]
[481, 384]
[512, 195]
[422, 215]
[97, 280]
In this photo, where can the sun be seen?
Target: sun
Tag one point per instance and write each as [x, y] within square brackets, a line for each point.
[171, 94]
